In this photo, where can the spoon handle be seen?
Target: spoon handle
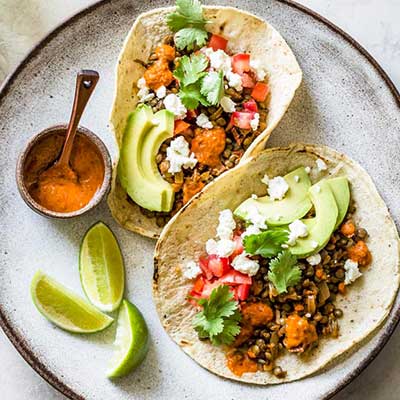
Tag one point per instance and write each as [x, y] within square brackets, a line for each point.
[86, 81]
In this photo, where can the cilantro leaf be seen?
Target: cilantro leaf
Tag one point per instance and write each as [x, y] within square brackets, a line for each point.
[188, 12]
[191, 97]
[190, 37]
[212, 87]
[266, 244]
[220, 317]
[283, 271]
[190, 70]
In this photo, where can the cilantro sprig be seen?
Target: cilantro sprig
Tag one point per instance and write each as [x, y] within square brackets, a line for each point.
[266, 244]
[212, 87]
[284, 271]
[220, 317]
[189, 24]
[191, 69]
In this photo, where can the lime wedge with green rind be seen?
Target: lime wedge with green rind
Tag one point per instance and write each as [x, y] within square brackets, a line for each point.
[101, 268]
[64, 308]
[131, 341]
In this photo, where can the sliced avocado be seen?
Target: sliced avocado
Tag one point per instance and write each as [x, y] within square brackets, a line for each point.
[341, 192]
[294, 205]
[138, 151]
[321, 227]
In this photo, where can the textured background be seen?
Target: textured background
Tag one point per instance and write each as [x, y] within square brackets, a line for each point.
[374, 23]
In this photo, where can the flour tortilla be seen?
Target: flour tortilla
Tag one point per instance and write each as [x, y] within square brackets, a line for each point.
[366, 304]
[245, 32]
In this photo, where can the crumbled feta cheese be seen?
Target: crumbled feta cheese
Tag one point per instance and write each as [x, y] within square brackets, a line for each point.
[314, 244]
[321, 166]
[277, 188]
[141, 83]
[174, 104]
[191, 270]
[352, 272]
[307, 169]
[317, 188]
[256, 218]
[219, 60]
[227, 104]
[245, 265]
[203, 122]
[296, 178]
[234, 81]
[161, 92]
[251, 230]
[315, 259]
[221, 248]
[258, 69]
[226, 224]
[178, 155]
[255, 121]
[297, 229]
[254, 196]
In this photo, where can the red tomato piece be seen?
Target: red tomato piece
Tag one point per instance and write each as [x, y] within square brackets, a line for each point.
[241, 63]
[250, 105]
[260, 91]
[203, 262]
[242, 292]
[247, 81]
[242, 119]
[198, 285]
[209, 287]
[217, 43]
[238, 247]
[234, 277]
[218, 265]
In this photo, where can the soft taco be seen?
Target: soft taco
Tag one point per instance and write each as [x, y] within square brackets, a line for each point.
[197, 89]
[279, 266]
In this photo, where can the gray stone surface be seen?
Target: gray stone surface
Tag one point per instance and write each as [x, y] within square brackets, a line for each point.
[374, 23]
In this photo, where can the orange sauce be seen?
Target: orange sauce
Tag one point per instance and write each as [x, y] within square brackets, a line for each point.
[61, 189]
[159, 74]
[208, 144]
[256, 314]
[299, 332]
[360, 253]
[190, 188]
[240, 363]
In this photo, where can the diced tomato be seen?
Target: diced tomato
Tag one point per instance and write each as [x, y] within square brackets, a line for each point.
[198, 285]
[242, 119]
[180, 126]
[242, 292]
[209, 287]
[260, 91]
[217, 43]
[218, 265]
[238, 247]
[247, 81]
[234, 277]
[241, 63]
[250, 105]
[191, 114]
[203, 262]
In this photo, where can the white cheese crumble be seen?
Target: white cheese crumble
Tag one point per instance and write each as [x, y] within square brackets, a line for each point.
[203, 122]
[297, 229]
[352, 271]
[251, 230]
[226, 224]
[191, 270]
[315, 259]
[255, 121]
[258, 69]
[144, 92]
[234, 81]
[178, 155]
[321, 166]
[296, 178]
[245, 265]
[219, 60]
[227, 104]
[174, 104]
[256, 218]
[161, 92]
[277, 188]
[254, 196]
[307, 169]
[221, 248]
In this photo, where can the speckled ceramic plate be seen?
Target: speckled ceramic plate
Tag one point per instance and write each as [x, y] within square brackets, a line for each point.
[346, 101]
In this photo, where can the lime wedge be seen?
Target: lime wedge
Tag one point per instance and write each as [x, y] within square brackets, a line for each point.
[64, 308]
[131, 341]
[102, 268]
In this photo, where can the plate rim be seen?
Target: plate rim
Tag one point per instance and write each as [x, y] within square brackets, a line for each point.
[19, 341]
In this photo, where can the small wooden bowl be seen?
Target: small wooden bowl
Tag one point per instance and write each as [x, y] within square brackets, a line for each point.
[99, 195]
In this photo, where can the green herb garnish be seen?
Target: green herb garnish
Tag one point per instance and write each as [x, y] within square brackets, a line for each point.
[212, 87]
[190, 70]
[189, 23]
[220, 317]
[191, 96]
[284, 271]
[266, 244]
